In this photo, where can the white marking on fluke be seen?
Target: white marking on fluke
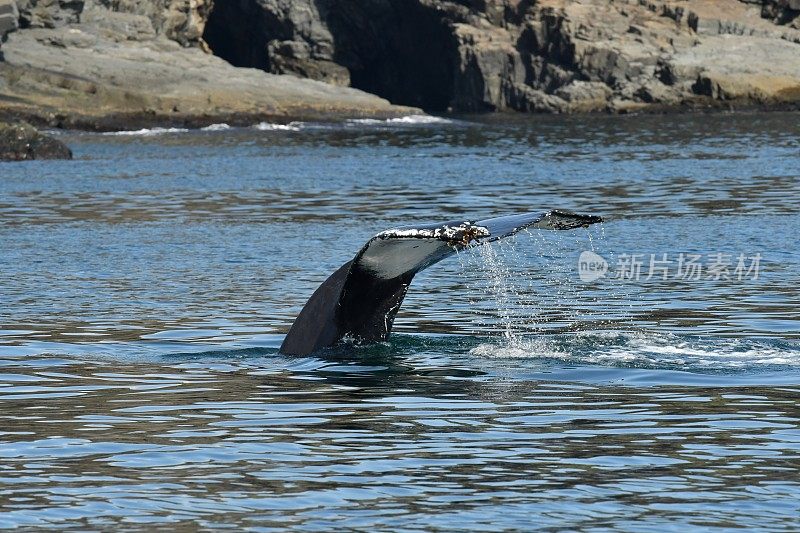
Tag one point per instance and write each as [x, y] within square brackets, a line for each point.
[444, 233]
[395, 252]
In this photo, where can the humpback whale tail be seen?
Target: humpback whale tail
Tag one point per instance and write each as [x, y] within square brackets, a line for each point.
[361, 299]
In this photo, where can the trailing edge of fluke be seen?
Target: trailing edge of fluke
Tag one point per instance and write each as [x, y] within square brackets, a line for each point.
[360, 300]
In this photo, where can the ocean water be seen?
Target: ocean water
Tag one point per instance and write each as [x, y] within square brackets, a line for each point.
[145, 288]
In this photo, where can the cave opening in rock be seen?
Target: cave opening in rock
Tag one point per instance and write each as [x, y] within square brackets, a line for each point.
[397, 49]
[400, 50]
[238, 31]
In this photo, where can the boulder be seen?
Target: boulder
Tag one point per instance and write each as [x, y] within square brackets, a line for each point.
[20, 141]
[295, 57]
[9, 18]
[49, 13]
[591, 93]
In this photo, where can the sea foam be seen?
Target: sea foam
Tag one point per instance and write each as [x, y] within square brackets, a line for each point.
[147, 131]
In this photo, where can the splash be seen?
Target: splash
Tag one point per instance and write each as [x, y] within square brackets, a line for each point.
[216, 127]
[534, 284]
[147, 132]
[500, 289]
[655, 350]
[407, 120]
[269, 126]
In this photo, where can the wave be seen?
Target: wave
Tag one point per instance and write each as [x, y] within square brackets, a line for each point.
[270, 126]
[648, 350]
[408, 119]
[216, 127]
[147, 131]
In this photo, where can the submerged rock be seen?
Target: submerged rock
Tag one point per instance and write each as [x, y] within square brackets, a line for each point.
[21, 141]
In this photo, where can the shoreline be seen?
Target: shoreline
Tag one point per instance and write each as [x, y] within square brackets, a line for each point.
[113, 122]
[103, 69]
[116, 122]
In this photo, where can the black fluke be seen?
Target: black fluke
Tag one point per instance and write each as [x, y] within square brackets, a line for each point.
[361, 299]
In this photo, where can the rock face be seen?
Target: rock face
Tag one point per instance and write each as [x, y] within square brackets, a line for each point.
[180, 20]
[20, 142]
[545, 55]
[279, 36]
[120, 64]
[9, 18]
[83, 62]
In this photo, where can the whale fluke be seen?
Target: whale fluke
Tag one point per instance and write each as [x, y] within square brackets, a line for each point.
[361, 299]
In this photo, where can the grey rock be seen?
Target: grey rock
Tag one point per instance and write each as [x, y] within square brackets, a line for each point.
[584, 91]
[9, 18]
[49, 13]
[509, 54]
[146, 56]
[784, 12]
[20, 141]
[83, 77]
[182, 21]
[295, 57]
[528, 99]
[119, 26]
[279, 36]
[655, 92]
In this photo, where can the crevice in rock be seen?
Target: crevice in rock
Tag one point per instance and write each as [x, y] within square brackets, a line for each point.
[400, 50]
[238, 31]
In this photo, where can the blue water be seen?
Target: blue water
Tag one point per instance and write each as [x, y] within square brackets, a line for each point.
[147, 285]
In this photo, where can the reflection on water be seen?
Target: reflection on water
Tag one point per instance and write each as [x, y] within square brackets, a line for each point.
[146, 286]
[261, 440]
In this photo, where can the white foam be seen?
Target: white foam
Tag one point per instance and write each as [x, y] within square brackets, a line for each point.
[147, 131]
[293, 126]
[516, 350]
[647, 350]
[419, 119]
[269, 126]
[216, 127]
[408, 119]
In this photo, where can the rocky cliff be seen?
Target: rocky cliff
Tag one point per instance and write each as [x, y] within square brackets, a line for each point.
[117, 64]
[81, 60]
[179, 20]
[527, 55]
